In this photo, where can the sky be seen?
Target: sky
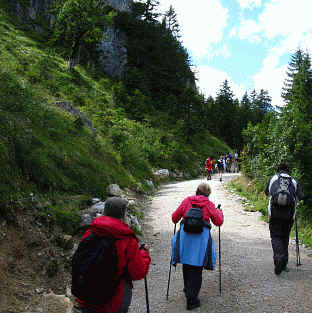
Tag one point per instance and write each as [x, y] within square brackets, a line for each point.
[247, 42]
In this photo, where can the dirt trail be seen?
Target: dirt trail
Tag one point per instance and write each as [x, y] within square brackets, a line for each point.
[249, 284]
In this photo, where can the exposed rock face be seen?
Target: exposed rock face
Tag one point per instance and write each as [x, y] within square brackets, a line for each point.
[113, 50]
[121, 5]
[113, 47]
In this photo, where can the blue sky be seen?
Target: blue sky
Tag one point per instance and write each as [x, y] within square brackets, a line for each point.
[247, 42]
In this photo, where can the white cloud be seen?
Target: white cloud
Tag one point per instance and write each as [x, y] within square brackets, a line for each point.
[249, 29]
[210, 81]
[249, 3]
[286, 17]
[271, 77]
[282, 20]
[201, 24]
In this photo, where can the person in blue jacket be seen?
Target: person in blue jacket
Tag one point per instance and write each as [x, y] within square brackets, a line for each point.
[195, 250]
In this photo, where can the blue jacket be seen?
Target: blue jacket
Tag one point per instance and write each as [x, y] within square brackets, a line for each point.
[194, 249]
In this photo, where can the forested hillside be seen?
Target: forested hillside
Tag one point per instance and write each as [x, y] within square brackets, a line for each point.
[151, 117]
[47, 150]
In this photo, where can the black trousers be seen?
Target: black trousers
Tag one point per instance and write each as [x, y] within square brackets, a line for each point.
[279, 231]
[126, 300]
[192, 276]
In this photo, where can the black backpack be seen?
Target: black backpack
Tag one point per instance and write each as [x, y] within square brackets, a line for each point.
[94, 267]
[193, 222]
[283, 198]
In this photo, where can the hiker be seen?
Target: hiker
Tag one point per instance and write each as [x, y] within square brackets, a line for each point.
[192, 245]
[284, 192]
[132, 261]
[228, 160]
[208, 166]
[220, 167]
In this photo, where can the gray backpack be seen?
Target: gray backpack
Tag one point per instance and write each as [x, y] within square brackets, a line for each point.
[283, 199]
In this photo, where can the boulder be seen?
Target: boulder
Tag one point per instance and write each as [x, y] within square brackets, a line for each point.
[114, 190]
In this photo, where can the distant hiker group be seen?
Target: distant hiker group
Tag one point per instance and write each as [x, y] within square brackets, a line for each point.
[229, 163]
[109, 256]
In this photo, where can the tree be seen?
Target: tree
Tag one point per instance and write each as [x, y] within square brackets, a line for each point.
[171, 22]
[80, 23]
[294, 66]
[149, 14]
[225, 115]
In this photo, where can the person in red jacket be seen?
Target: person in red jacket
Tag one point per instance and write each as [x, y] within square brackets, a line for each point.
[130, 255]
[192, 274]
[208, 165]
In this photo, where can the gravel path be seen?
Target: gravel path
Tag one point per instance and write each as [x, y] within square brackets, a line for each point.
[249, 284]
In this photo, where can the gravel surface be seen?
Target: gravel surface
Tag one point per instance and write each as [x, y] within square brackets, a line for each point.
[249, 284]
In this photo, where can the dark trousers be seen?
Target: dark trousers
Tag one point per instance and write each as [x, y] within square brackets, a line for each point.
[192, 276]
[126, 300]
[279, 231]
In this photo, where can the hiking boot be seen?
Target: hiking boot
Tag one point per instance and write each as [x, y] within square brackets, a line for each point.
[191, 305]
[278, 269]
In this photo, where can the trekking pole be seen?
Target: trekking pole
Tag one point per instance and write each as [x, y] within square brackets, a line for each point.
[175, 226]
[297, 244]
[146, 295]
[219, 206]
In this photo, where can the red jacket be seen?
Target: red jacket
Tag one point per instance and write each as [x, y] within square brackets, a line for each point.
[127, 251]
[208, 208]
[208, 165]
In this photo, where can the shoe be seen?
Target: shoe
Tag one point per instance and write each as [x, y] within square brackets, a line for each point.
[285, 269]
[191, 305]
[278, 269]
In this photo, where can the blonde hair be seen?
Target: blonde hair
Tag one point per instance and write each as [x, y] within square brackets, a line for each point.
[203, 189]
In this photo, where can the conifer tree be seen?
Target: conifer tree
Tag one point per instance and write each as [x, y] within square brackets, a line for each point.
[171, 22]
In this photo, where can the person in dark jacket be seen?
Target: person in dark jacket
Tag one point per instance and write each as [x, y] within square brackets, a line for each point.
[130, 255]
[195, 245]
[279, 224]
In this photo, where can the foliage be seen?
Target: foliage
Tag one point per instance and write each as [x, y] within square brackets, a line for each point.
[80, 24]
[288, 138]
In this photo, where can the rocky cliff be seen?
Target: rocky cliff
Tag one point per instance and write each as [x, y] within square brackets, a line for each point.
[114, 52]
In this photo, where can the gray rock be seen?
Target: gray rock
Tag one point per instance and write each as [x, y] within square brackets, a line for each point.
[114, 190]
[162, 172]
[86, 221]
[97, 208]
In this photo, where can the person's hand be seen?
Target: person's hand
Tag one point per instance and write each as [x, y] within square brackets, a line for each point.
[144, 246]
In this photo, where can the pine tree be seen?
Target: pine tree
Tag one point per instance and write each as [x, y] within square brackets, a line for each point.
[150, 15]
[171, 22]
[297, 113]
[294, 66]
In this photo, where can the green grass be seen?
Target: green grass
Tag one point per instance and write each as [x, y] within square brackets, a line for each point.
[42, 147]
[47, 151]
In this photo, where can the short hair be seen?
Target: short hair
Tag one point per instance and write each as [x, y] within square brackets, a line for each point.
[203, 189]
[115, 207]
[282, 167]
